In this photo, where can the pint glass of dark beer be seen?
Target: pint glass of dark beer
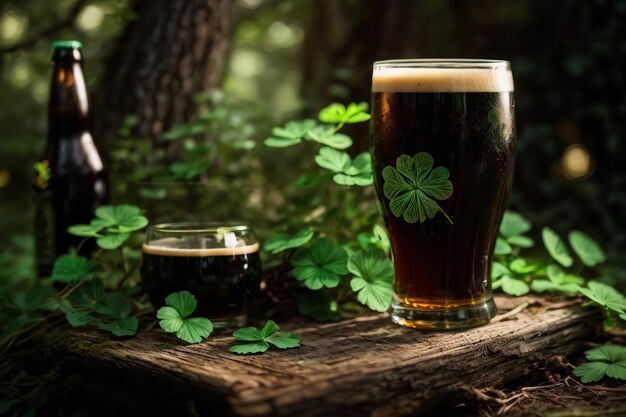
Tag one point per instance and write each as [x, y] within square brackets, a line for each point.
[218, 263]
[442, 138]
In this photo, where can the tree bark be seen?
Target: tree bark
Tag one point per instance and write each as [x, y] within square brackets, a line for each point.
[173, 49]
[358, 367]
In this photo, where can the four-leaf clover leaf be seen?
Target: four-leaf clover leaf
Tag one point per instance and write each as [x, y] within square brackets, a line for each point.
[321, 265]
[373, 279]
[175, 318]
[609, 360]
[413, 187]
[258, 341]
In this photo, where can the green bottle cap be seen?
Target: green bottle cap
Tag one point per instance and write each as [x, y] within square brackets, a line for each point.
[69, 44]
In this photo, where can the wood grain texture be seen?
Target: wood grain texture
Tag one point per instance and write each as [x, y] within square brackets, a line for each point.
[362, 366]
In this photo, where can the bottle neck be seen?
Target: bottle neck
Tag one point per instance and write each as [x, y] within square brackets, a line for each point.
[68, 111]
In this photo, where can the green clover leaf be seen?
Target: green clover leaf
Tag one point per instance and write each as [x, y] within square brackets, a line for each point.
[555, 247]
[321, 265]
[558, 281]
[88, 294]
[513, 286]
[123, 218]
[413, 186]
[114, 305]
[502, 247]
[359, 171]
[119, 221]
[373, 279]
[607, 360]
[378, 238]
[512, 229]
[33, 299]
[338, 113]
[347, 171]
[79, 318]
[279, 242]
[605, 295]
[175, 318]
[587, 249]
[121, 327]
[249, 348]
[84, 230]
[329, 137]
[70, 267]
[258, 341]
[112, 241]
[332, 159]
[291, 134]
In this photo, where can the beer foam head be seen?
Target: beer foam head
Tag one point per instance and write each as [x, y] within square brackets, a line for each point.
[441, 76]
[173, 246]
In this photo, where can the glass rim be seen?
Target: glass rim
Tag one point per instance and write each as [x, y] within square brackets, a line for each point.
[198, 227]
[443, 63]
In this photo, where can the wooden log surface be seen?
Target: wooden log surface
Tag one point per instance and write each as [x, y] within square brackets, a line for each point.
[357, 367]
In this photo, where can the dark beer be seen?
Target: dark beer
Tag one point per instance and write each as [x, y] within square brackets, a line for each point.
[224, 280]
[70, 177]
[462, 116]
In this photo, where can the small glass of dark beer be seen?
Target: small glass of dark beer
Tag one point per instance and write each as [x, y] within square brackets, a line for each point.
[218, 263]
[442, 138]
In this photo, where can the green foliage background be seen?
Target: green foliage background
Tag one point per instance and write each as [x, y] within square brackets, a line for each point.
[568, 59]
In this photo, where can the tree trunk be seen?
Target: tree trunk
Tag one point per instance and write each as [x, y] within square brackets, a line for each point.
[173, 49]
[357, 367]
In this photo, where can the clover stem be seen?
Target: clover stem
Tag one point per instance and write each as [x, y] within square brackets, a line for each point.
[445, 215]
[123, 259]
[82, 243]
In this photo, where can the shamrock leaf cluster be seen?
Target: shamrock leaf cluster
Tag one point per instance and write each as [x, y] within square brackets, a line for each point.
[90, 304]
[413, 187]
[607, 360]
[346, 171]
[174, 318]
[259, 341]
[511, 233]
[72, 267]
[372, 280]
[112, 225]
[605, 296]
[558, 281]
[321, 265]
[340, 114]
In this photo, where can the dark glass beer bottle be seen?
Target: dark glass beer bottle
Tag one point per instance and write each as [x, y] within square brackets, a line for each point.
[70, 177]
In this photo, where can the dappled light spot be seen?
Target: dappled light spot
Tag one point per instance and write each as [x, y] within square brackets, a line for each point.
[246, 64]
[577, 163]
[19, 74]
[90, 19]
[13, 24]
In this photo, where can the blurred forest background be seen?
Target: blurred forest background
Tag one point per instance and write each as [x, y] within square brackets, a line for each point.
[185, 91]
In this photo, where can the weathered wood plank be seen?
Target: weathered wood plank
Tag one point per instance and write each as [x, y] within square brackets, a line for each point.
[362, 366]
